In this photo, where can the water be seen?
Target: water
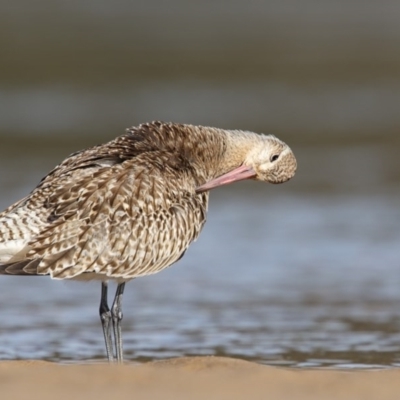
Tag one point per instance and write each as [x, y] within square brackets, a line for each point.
[305, 274]
[283, 275]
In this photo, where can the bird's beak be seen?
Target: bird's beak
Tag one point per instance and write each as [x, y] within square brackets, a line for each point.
[237, 174]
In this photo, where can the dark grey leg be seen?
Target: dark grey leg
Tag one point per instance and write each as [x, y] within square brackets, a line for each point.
[116, 313]
[105, 317]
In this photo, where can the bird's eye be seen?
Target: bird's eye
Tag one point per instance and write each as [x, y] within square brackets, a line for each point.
[274, 157]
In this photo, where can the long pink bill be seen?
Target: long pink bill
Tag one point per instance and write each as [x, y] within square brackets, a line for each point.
[237, 174]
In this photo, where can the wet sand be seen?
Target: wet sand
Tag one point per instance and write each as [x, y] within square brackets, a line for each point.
[191, 378]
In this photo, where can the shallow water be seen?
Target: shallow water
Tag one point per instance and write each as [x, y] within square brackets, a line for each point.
[283, 275]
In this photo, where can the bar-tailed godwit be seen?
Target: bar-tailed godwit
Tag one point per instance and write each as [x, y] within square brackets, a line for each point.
[131, 207]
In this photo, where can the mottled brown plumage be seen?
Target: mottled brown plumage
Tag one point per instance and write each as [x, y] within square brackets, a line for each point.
[132, 206]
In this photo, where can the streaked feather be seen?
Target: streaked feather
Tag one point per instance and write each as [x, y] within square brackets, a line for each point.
[123, 209]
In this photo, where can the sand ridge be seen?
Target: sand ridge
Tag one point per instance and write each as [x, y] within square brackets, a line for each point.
[191, 378]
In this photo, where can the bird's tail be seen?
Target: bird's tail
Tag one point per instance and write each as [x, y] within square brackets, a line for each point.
[25, 267]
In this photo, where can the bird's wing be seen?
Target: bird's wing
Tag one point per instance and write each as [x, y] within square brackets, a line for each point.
[124, 220]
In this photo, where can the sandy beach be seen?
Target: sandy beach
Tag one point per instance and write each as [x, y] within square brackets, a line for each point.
[191, 378]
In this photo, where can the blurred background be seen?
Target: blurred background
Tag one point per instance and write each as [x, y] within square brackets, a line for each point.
[303, 274]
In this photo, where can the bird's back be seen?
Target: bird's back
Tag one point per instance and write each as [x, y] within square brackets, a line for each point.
[120, 210]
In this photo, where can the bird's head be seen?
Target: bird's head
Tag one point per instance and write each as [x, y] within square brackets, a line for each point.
[272, 161]
[269, 160]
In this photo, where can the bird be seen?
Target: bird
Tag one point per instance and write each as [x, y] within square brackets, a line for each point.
[131, 207]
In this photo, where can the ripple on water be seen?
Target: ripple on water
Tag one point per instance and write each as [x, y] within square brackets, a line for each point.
[285, 296]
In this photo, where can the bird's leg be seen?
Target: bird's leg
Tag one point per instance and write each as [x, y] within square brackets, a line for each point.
[105, 317]
[116, 313]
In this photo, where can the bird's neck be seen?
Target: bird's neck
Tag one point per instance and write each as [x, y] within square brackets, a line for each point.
[220, 151]
[238, 144]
